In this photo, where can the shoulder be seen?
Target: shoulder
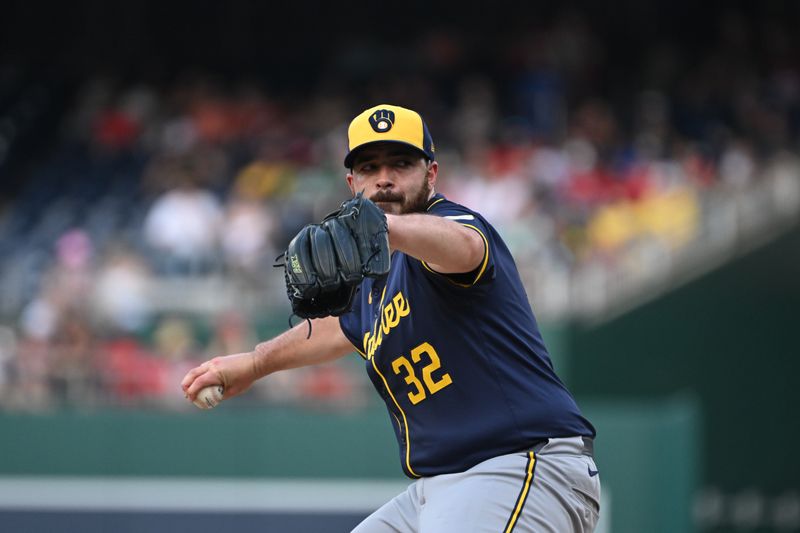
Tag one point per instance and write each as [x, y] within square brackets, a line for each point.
[441, 206]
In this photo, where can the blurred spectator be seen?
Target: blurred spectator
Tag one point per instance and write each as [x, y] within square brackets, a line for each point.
[330, 387]
[72, 276]
[176, 350]
[246, 236]
[64, 288]
[120, 292]
[8, 349]
[737, 167]
[232, 334]
[588, 167]
[174, 338]
[182, 227]
[131, 374]
[74, 376]
[31, 371]
[39, 318]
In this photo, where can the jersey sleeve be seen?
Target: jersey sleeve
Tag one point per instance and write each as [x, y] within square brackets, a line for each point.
[468, 218]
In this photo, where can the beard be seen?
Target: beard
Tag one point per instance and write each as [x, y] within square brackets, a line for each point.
[397, 203]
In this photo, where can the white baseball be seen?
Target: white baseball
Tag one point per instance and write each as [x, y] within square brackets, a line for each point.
[209, 397]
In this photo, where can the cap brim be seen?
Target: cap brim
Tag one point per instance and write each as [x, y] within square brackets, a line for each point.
[348, 159]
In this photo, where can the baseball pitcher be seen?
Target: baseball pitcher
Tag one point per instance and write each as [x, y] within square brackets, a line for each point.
[428, 294]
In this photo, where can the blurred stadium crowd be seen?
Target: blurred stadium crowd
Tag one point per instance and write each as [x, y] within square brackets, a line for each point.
[143, 235]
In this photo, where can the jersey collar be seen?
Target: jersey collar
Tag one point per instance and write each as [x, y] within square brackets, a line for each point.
[435, 199]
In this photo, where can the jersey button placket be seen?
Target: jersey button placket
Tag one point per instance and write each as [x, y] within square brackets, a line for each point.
[377, 290]
[376, 306]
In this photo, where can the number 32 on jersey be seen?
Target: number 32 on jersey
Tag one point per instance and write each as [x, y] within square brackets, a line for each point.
[424, 360]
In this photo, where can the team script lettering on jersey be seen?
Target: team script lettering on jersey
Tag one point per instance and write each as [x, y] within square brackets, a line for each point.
[391, 314]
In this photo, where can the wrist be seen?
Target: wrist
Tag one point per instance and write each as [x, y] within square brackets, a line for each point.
[259, 359]
[393, 224]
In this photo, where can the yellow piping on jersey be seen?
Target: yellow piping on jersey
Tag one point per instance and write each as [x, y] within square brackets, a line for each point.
[483, 265]
[405, 420]
[375, 329]
[362, 354]
[434, 203]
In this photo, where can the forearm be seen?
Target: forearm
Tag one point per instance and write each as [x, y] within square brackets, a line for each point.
[446, 246]
[293, 348]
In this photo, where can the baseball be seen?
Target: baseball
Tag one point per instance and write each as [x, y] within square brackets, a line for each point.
[209, 397]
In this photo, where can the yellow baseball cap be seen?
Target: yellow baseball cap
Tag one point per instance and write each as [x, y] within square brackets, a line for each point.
[388, 123]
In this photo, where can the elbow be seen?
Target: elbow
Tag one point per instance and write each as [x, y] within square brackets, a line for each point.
[476, 251]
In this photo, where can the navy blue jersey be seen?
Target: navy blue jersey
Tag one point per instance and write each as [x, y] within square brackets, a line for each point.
[459, 359]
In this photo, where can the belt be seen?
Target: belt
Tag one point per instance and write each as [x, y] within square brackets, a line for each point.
[538, 445]
[585, 445]
[588, 446]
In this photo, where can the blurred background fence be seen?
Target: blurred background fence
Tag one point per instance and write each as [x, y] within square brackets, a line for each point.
[640, 159]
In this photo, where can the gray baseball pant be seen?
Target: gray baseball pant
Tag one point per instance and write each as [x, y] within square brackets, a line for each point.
[555, 489]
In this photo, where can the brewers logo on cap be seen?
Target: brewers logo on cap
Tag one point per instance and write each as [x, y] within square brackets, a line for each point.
[381, 120]
[388, 123]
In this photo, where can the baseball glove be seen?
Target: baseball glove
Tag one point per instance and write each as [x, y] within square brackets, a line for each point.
[325, 263]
